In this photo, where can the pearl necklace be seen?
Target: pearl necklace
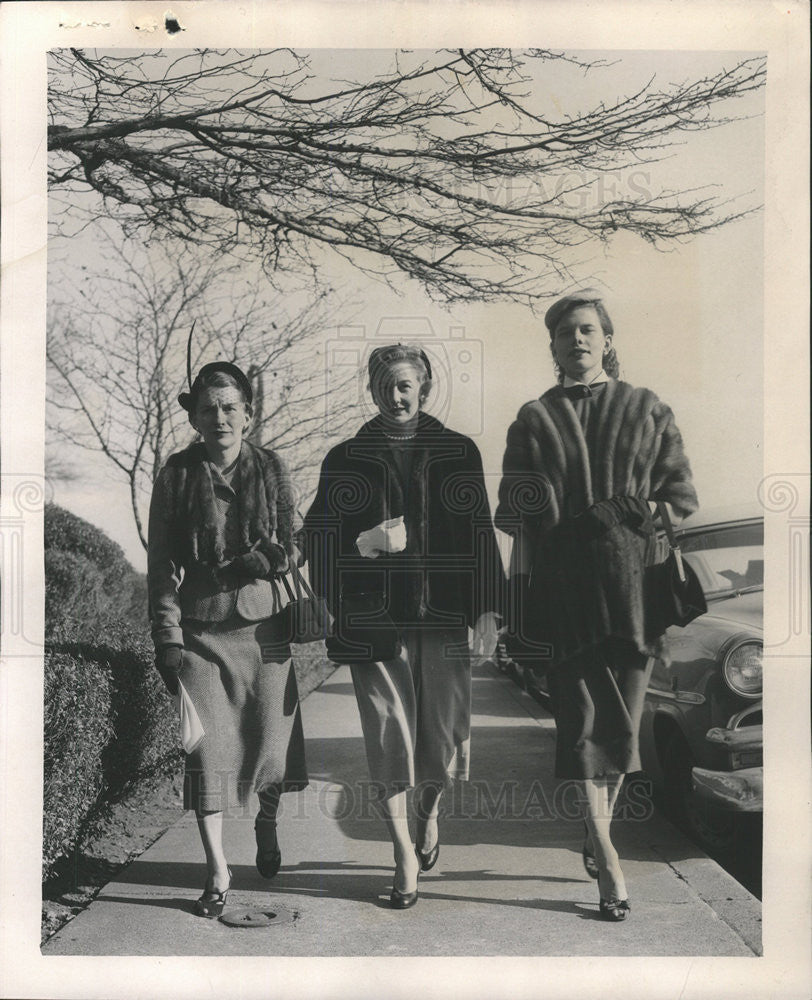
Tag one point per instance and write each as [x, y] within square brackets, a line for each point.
[400, 437]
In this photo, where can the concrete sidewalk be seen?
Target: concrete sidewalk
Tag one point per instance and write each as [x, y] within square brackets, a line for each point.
[509, 880]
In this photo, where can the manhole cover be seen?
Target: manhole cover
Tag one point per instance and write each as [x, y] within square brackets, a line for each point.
[246, 916]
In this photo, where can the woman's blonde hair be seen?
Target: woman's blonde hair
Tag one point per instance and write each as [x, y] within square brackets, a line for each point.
[383, 358]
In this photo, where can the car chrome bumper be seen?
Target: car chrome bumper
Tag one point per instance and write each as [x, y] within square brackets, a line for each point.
[740, 791]
[740, 788]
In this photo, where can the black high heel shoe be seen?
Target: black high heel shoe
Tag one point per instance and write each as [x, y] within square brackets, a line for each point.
[212, 903]
[269, 857]
[588, 858]
[615, 909]
[428, 859]
[400, 900]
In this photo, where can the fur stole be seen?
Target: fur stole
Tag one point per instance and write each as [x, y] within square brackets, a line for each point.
[552, 470]
[264, 497]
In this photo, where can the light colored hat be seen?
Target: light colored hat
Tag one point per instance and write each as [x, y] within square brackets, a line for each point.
[583, 297]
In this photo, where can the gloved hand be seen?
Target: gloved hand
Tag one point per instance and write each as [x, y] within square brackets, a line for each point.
[253, 565]
[168, 661]
[486, 633]
[388, 536]
[256, 564]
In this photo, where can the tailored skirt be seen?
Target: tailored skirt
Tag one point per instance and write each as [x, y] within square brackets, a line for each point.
[598, 704]
[240, 678]
[416, 710]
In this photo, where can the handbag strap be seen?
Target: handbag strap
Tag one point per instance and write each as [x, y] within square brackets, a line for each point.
[665, 517]
[286, 585]
[300, 585]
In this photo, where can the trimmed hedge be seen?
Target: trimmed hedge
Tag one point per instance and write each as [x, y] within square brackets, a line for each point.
[109, 726]
[87, 575]
[108, 723]
[77, 728]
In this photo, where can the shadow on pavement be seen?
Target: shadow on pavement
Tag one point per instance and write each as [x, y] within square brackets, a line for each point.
[512, 799]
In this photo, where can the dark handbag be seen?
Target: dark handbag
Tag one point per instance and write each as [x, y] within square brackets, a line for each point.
[305, 618]
[674, 594]
[363, 631]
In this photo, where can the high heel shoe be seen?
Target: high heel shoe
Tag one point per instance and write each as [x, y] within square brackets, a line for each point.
[588, 858]
[212, 903]
[428, 859]
[400, 900]
[615, 909]
[269, 857]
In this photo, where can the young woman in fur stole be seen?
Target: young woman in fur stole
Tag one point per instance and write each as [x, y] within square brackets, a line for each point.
[220, 530]
[580, 467]
[402, 512]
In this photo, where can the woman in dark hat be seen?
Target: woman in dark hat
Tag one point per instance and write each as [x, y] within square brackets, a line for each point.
[581, 465]
[401, 525]
[220, 530]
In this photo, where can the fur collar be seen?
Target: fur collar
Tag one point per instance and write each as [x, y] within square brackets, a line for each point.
[264, 498]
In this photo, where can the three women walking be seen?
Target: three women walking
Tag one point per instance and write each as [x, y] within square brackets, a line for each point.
[400, 543]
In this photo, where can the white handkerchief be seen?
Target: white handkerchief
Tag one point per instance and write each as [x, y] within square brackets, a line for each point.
[388, 536]
[191, 730]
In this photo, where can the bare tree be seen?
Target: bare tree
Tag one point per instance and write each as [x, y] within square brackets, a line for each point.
[452, 169]
[116, 352]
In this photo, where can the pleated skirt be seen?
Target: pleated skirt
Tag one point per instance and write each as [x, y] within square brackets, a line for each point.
[241, 680]
[416, 710]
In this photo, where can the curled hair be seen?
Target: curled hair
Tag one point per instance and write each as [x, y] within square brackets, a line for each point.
[384, 358]
[610, 362]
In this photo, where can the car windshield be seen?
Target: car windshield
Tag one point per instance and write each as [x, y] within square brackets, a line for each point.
[728, 558]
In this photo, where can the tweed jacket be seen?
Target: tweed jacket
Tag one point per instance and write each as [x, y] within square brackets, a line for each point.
[180, 581]
[451, 570]
[554, 468]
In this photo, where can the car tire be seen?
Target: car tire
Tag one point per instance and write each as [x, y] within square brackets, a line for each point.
[712, 829]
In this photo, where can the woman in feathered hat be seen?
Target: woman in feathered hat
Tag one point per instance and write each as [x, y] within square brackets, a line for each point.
[400, 530]
[580, 467]
[220, 530]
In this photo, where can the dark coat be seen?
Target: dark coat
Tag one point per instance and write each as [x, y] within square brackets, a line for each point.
[451, 570]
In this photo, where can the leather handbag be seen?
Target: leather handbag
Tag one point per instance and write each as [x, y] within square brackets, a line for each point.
[673, 593]
[363, 631]
[306, 618]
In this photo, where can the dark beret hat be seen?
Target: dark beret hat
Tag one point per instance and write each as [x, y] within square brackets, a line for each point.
[187, 399]
[583, 297]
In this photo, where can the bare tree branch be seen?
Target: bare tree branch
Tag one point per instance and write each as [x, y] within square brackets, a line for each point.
[449, 169]
[116, 353]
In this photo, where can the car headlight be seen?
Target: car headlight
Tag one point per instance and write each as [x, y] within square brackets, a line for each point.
[742, 669]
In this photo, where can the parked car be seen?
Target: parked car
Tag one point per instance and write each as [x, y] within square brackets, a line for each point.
[701, 734]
